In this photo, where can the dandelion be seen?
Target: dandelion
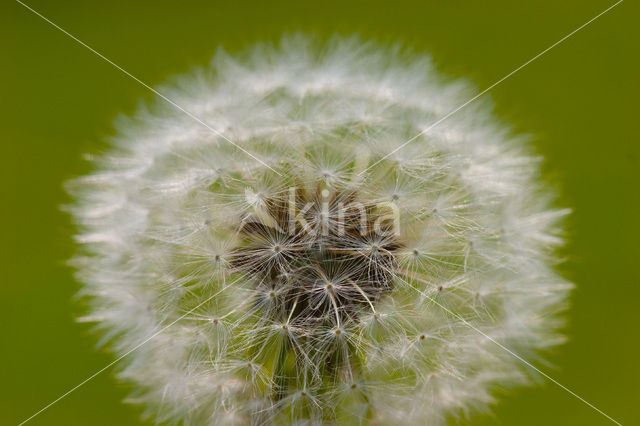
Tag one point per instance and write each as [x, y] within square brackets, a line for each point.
[338, 280]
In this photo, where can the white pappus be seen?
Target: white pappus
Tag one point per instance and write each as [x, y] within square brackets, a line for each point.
[337, 280]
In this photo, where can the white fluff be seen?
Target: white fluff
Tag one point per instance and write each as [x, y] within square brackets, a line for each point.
[156, 219]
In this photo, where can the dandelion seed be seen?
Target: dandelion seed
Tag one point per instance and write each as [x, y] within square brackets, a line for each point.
[315, 283]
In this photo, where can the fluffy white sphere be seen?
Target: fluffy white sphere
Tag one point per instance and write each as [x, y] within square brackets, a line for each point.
[328, 282]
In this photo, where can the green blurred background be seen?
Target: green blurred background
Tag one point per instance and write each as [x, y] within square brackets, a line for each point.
[580, 100]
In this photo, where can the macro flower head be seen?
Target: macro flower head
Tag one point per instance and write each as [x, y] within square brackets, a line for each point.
[312, 249]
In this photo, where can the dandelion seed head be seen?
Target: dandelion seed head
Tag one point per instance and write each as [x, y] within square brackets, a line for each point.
[338, 280]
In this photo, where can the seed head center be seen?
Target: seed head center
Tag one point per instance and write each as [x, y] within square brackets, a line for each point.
[326, 250]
